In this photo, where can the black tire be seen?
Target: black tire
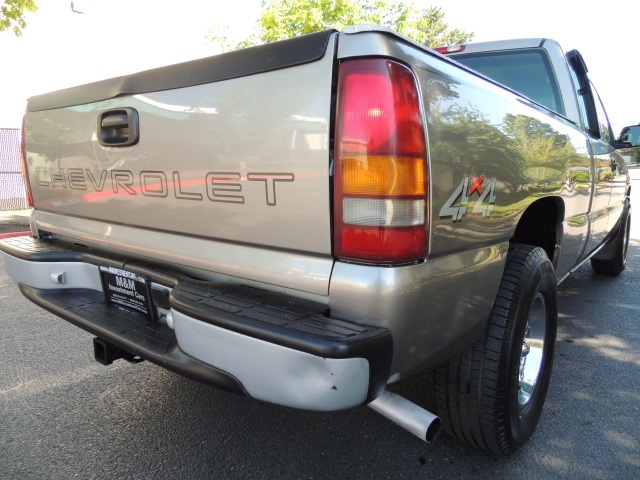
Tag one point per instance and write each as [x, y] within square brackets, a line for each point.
[615, 264]
[478, 395]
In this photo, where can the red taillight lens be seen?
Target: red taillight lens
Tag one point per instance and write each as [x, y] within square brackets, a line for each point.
[25, 172]
[380, 175]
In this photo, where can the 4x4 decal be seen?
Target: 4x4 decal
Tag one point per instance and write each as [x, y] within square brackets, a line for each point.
[456, 205]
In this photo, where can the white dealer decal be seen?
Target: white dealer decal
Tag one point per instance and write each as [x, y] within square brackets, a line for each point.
[456, 205]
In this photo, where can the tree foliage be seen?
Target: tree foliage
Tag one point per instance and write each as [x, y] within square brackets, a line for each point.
[12, 15]
[283, 19]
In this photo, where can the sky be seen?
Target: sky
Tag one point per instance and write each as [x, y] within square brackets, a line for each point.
[60, 48]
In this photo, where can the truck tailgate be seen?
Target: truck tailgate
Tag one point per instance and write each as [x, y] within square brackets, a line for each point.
[243, 160]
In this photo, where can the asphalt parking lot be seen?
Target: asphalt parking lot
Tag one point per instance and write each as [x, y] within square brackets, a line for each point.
[62, 415]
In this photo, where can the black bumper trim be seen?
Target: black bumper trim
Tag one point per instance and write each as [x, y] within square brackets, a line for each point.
[44, 250]
[131, 332]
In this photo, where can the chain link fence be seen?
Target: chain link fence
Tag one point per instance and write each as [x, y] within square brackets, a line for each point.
[12, 193]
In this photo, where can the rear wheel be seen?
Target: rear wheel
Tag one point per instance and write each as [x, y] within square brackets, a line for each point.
[492, 396]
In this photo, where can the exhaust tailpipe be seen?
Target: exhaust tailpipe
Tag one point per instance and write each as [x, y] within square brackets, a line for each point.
[422, 423]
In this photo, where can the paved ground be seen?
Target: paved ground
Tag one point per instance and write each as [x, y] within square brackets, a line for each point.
[62, 415]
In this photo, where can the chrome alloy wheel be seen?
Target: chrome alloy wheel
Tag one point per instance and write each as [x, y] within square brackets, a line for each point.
[532, 355]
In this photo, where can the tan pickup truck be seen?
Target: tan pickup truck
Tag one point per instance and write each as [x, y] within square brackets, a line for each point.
[308, 221]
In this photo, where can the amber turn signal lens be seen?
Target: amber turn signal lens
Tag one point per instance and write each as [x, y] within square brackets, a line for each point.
[383, 175]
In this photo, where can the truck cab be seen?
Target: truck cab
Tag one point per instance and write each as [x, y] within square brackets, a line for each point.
[559, 84]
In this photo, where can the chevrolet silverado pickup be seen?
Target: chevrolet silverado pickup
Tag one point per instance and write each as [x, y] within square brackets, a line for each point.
[309, 221]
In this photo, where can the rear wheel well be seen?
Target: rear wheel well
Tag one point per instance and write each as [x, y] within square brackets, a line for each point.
[541, 226]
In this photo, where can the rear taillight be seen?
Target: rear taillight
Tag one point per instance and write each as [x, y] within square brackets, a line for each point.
[25, 171]
[380, 171]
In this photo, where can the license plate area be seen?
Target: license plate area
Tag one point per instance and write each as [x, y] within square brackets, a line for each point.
[128, 290]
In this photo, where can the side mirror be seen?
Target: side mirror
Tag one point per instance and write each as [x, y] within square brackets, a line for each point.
[617, 145]
[629, 135]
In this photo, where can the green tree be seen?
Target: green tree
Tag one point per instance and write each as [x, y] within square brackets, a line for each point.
[283, 19]
[12, 15]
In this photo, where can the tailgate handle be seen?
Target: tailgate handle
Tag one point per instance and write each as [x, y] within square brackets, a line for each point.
[118, 128]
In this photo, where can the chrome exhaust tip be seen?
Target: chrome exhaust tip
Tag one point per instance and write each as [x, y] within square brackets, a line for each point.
[422, 423]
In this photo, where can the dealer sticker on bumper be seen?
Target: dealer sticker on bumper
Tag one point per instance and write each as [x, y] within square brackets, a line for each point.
[128, 290]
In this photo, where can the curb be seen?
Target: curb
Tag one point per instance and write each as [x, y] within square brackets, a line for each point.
[20, 217]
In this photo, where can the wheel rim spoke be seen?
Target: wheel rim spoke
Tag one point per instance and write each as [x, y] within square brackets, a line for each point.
[532, 353]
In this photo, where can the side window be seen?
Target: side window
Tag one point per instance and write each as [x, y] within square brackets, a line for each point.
[603, 121]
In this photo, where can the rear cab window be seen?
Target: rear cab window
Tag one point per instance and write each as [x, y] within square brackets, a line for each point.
[527, 71]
